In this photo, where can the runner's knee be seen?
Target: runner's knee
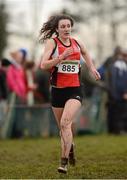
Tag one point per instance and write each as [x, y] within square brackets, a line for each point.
[65, 123]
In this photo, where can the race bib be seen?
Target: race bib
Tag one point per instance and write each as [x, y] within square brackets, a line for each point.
[69, 67]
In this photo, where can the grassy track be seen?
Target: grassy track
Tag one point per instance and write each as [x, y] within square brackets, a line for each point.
[97, 157]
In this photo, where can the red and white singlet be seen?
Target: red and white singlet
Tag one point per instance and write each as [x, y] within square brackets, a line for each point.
[66, 74]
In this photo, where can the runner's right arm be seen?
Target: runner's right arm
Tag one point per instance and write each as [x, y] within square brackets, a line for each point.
[46, 62]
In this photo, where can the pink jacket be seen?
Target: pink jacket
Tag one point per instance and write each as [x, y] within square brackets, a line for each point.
[16, 81]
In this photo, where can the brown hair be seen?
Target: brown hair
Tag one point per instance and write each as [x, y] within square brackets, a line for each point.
[49, 27]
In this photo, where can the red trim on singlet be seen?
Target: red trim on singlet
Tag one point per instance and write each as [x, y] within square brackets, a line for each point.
[67, 79]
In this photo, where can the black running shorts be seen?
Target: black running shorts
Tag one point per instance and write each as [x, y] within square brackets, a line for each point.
[59, 96]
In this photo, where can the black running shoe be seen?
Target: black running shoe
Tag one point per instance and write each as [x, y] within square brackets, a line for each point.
[63, 166]
[72, 160]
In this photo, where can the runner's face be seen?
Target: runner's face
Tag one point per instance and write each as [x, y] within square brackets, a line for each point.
[64, 28]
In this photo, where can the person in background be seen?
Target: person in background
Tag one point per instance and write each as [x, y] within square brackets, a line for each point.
[30, 69]
[62, 56]
[42, 92]
[16, 78]
[117, 116]
[4, 64]
[104, 69]
[114, 75]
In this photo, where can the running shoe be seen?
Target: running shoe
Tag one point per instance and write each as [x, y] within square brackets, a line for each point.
[63, 166]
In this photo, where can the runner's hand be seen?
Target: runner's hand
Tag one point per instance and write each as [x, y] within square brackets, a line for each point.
[95, 73]
[66, 53]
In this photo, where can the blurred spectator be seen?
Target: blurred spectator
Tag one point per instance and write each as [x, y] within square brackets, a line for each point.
[30, 68]
[17, 84]
[37, 84]
[42, 93]
[4, 64]
[118, 92]
[115, 77]
[104, 69]
[16, 79]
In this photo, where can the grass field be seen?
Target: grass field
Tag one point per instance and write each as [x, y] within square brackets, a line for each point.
[97, 157]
